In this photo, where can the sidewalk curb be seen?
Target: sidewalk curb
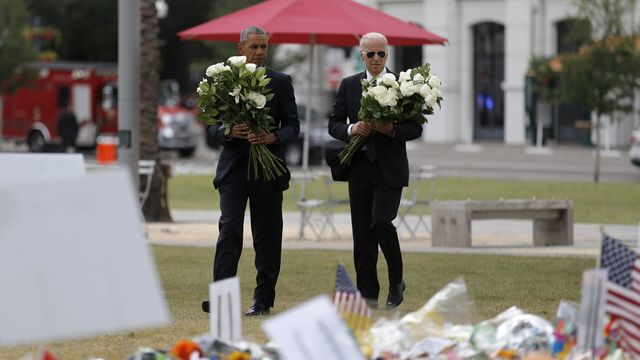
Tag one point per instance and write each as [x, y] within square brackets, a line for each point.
[199, 228]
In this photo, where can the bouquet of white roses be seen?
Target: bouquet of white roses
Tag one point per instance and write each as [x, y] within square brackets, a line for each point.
[411, 97]
[235, 92]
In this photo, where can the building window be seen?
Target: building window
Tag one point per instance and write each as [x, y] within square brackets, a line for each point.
[488, 75]
[407, 57]
[572, 33]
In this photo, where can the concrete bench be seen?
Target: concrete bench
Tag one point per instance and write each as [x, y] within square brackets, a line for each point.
[451, 220]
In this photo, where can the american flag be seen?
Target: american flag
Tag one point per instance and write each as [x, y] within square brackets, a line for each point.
[350, 304]
[623, 292]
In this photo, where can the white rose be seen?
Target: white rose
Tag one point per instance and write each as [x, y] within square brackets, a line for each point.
[434, 81]
[238, 61]
[226, 68]
[425, 90]
[383, 99]
[389, 79]
[257, 99]
[214, 69]
[236, 93]
[407, 88]
[377, 90]
[404, 76]
[393, 92]
[251, 67]
[389, 98]
[418, 78]
[437, 92]
[431, 100]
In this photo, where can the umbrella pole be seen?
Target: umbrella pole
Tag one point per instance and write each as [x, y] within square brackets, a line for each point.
[307, 128]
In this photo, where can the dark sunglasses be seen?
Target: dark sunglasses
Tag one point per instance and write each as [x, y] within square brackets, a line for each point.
[382, 54]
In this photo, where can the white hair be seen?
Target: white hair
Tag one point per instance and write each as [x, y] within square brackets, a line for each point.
[372, 36]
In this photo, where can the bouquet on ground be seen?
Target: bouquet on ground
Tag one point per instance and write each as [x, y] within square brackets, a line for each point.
[234, 92]
[410, 97]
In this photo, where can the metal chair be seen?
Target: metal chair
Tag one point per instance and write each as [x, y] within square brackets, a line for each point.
[316, 213]
[145, 170]
[417, 196]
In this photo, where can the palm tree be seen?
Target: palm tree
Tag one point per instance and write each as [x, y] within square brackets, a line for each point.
[156, 207]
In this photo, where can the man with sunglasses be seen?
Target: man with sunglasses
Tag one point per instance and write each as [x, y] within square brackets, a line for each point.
[376, 176]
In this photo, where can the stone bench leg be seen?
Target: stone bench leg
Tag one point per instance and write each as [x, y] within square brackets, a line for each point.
[450, 228]
[549, 232]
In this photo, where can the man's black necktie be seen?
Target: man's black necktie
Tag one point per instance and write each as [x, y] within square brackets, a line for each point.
[370, 150]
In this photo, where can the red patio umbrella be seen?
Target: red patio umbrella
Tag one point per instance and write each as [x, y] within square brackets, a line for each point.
[326, 22]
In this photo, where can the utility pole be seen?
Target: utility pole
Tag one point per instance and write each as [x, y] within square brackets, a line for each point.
[129, 87]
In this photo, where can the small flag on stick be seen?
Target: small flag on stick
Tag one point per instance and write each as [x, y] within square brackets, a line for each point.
[623, 292]
[350, 303]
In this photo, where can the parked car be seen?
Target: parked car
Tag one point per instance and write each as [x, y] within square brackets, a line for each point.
[318, 137]
[634, 151]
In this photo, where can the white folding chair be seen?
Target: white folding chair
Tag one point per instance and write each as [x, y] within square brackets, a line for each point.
[417, 196]
[331, 200]
[145, 170]
[316, 212]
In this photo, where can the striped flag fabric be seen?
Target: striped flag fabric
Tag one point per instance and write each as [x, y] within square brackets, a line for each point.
[623, 292]
[623, 305]
[350, 304]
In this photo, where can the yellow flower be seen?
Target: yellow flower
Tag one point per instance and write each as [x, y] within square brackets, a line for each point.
[237, 355]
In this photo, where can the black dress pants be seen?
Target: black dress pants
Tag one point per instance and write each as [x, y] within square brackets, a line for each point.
[265, 206]
[373, 206]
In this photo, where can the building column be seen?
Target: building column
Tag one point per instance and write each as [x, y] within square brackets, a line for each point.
[517, 55]
[442, 17]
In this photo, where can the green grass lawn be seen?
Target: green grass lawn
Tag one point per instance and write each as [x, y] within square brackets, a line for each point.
[607, 203]
[495, 283]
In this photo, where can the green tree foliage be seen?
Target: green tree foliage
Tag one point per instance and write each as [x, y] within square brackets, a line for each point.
[177, 55]
[14, 50]
[89, 28]
[186, 61]
[603, 74]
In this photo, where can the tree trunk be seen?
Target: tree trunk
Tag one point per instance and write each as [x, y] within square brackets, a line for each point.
[596, 170]
[156, 208]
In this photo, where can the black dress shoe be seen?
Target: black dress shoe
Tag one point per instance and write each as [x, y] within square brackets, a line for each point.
[258, 309]
[205, 306]
[396, 295]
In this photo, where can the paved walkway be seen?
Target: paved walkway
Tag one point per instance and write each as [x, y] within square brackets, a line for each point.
[510, 237]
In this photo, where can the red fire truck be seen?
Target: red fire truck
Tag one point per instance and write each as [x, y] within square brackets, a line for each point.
[89, 90]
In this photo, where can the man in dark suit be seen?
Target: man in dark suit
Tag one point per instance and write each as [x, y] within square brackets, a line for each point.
[376, 177]
[265, 197]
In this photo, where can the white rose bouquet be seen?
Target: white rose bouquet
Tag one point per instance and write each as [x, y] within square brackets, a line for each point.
[411, 97]
[234, 92]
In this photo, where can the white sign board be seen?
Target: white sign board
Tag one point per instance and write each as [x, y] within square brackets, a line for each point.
[312, 331]
[18, 167]
[224, 310]
[73, 260]
[591, 313]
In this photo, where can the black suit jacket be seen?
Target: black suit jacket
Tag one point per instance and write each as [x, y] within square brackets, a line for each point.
[391, 151]
[234, 157]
